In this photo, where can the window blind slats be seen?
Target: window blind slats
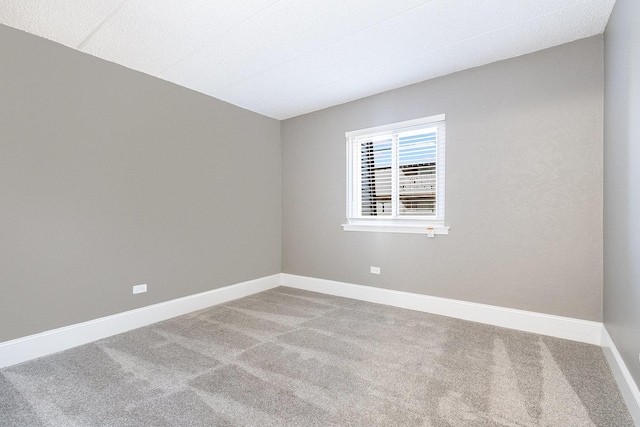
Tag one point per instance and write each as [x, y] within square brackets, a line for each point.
[398, 174]
[417, 172]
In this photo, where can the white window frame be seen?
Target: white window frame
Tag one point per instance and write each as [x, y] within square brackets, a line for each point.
[395, 223]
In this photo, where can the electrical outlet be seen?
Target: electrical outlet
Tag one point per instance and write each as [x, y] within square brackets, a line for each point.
[375, 270]
[138, 289]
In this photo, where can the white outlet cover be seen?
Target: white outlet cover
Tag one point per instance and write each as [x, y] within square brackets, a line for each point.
[375, 270]
[138, 289]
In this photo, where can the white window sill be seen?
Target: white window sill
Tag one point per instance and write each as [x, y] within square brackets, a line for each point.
[391, 227]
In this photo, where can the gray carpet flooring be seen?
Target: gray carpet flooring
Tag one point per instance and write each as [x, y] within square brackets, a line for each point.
[294, 358]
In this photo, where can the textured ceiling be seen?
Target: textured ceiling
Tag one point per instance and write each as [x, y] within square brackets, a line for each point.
[283, 58]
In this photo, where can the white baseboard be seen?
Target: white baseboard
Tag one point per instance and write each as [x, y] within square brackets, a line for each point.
[544, 324]
[48, 342]
[53, 341]
[627, 385]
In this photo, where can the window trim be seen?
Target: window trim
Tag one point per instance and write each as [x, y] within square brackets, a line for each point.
[395, 224]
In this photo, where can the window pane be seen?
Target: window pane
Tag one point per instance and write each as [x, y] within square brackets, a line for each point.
[376, 176]
[417, 173]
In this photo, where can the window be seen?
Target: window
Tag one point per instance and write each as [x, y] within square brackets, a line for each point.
[395, 177]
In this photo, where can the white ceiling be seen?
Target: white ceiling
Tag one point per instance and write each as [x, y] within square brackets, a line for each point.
[283, 58]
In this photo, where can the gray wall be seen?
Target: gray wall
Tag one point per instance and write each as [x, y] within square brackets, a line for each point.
[110, 178]
[524, 187]
[622, 182]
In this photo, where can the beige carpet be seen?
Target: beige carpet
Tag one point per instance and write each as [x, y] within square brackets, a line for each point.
[294, 358]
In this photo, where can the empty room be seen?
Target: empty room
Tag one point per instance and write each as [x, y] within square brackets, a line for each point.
[320, 213]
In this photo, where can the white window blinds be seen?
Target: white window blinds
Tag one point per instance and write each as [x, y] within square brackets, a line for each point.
[397, 171]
